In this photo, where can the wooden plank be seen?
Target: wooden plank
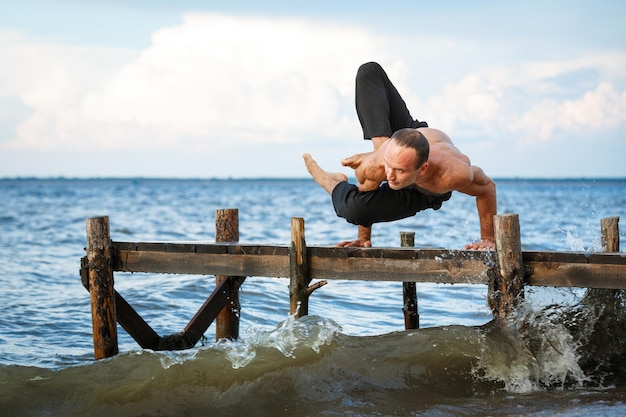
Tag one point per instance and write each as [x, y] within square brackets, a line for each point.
[558, 274]
[569, 269]
[600, 258]
[203, 264]
[409, 270]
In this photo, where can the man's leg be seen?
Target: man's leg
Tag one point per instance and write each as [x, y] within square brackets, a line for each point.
[327, 180]
[380, 108]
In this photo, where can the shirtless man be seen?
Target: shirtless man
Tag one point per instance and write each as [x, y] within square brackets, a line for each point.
[421, 167]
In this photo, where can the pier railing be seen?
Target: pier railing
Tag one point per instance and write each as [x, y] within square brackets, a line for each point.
[504, 271]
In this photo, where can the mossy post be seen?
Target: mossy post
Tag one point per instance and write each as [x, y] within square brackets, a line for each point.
[409, 291]
[507, 288]
[100, 270]
[227, 230]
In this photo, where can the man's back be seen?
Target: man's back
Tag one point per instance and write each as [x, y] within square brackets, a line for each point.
[448, 169]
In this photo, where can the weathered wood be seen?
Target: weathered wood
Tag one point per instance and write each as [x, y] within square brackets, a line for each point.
[409, 291]
[457, 267]
[126, 315]
[135, 325]
[231, 262]
[257, 265]
[373, 264]
[219, 298]
[298, 272]
[507, 287]
[576, 275]
[227, 321]
[610, 234]
[606, 300]
[101, 290]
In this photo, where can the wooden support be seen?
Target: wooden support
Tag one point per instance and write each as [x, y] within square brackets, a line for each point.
[299, 274]
[126, 315]
[220, 297]
[506, 271]
[135, 325]
[227, 321]
[101, 290]
[298, 271]
[409, 291]
[606, 299]
[438, 266]
[507, 286]
[610, 234]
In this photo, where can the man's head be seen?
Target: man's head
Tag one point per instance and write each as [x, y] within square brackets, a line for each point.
[405, 158]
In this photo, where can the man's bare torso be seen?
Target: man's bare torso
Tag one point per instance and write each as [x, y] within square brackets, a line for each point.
[448, 167]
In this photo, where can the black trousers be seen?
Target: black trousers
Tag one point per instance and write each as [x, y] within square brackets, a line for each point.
[379, 106]
[381, 111]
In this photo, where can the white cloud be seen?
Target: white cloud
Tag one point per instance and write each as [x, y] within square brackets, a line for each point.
[213, 76]
[533, 102]
[224, 83]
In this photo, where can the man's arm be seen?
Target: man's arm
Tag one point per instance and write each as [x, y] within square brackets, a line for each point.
[484, 189]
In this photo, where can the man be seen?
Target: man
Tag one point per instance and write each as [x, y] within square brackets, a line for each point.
[421, 166]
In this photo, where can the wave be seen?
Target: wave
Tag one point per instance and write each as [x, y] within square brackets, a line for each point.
[308, 366]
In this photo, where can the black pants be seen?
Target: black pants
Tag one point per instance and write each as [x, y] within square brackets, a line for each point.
[382, 204]
[380, 107]
[381, 112]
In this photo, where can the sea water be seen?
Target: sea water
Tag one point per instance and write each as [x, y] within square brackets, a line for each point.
[562, 353]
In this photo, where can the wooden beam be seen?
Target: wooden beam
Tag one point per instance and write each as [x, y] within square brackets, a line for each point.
[406, 265]
[567, 269]
[219, 298]
[135, 325]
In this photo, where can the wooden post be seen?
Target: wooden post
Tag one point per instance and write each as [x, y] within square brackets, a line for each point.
[507, 287]
[299, 276]
[409, 291]
[101, 287]
[610, 234]
[298, 271]
[227, 321]
[605, 301]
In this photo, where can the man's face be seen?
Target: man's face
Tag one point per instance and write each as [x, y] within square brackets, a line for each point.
[400, 165]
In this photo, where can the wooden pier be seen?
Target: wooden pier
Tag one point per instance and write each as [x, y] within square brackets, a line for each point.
[505, 272]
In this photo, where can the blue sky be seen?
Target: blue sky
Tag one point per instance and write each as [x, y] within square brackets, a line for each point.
[238, 89]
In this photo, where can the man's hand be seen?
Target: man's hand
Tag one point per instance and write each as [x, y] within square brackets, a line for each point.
[363, 239]
[354, 161]
[484, 244]
[358, 243]
[369, 169]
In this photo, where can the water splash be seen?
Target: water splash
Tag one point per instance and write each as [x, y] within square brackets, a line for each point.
[578, 245]
[306, 332]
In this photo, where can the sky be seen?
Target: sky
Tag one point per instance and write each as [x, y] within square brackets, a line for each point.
[241, 89]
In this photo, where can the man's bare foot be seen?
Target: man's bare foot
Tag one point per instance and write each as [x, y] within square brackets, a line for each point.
[327, 180]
